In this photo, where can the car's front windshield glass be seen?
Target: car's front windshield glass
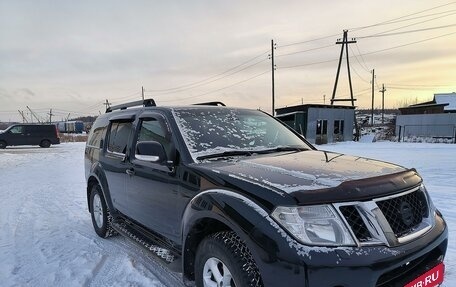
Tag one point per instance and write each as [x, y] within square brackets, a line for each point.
[217, 130]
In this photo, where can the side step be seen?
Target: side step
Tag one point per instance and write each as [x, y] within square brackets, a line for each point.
[150, 242]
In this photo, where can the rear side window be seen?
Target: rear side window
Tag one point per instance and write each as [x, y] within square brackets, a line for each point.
[119, 134]
[95, 137]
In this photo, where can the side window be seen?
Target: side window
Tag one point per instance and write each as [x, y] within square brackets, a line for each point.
[322, 127]
[119, 134]
[17, 130]
[95, 137]
[339, 127]
[152, 130]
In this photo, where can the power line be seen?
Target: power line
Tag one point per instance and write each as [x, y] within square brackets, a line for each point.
[357, 60]
[420, 17]
[308, 41]
[214, 80]
[304, 51]
[199, 83]
[436, 85]
[309, 64]
[373, 52]
[359, 76]
[409, 44]
[388, 22]
[220, 89]
[409, 25]
[406, 32]
[401, 17]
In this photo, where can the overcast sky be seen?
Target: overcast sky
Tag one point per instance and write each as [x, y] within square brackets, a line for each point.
[73, 55]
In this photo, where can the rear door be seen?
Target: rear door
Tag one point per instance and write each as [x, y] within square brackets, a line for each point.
[114, 163]
[34, 134]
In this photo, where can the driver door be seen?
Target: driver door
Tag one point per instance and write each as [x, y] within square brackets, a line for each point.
[152, 188]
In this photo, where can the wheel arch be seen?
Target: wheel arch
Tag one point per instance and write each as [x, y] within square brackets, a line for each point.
[97, 176]
[214, 211]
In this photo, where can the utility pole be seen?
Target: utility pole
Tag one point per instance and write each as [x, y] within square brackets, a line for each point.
[50, 116]
[142, 93]
[344, 44]
[372, 111]
[383, 90]
[273, 46]
[107, 104]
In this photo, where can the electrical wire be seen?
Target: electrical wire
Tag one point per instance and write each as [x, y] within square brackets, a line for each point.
[308, 41]
[408, 44]
[410, 31]
[200, 82]
[359, 76]
[401, 17]
[357, 60]
[220, 89]
[303, 51]
[214, 80]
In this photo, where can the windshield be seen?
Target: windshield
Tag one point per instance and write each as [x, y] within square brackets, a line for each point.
[217, 130]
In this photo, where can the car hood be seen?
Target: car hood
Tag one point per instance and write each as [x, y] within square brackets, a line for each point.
[307, 174]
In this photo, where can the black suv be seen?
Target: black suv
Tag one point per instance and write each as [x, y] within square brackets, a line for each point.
[30, 134]
[233, 197]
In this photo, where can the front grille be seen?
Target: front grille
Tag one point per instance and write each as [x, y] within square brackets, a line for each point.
[356, 223]
[406, 212]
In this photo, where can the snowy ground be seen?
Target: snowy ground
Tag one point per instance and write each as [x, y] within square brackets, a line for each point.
[46, 235]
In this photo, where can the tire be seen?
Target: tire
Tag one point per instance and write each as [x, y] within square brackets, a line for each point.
[2, 144]
[45, 144]
[101, 218]
[224, 257]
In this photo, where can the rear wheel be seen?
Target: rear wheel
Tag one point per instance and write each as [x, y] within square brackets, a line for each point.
[101, 218]
[2, 144]
[45, 143]
[223, 260]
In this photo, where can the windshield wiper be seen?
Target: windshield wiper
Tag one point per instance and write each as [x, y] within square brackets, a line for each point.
[281, 149]
[225, 154]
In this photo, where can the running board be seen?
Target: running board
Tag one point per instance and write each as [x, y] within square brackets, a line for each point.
[138, 234]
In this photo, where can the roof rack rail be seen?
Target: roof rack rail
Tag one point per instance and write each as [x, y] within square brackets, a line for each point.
[144, 103]
[211, 104]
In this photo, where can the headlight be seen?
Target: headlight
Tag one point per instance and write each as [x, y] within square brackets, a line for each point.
[314, 225]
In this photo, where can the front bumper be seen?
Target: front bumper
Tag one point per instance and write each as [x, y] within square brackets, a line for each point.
[283, 261]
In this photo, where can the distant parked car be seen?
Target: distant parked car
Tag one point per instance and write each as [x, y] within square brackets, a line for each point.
[29, 134]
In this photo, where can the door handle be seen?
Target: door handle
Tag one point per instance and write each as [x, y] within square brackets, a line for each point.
[130, 171]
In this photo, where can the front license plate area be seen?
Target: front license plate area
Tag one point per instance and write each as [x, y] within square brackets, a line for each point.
[431, 278]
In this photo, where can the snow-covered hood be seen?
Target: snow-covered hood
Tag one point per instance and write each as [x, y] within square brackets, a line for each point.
[304, 172]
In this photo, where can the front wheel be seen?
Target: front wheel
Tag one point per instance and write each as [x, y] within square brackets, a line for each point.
[223, 260]
[2, 144]
[101, 218]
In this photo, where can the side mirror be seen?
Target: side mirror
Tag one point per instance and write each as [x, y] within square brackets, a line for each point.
[151, 151]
